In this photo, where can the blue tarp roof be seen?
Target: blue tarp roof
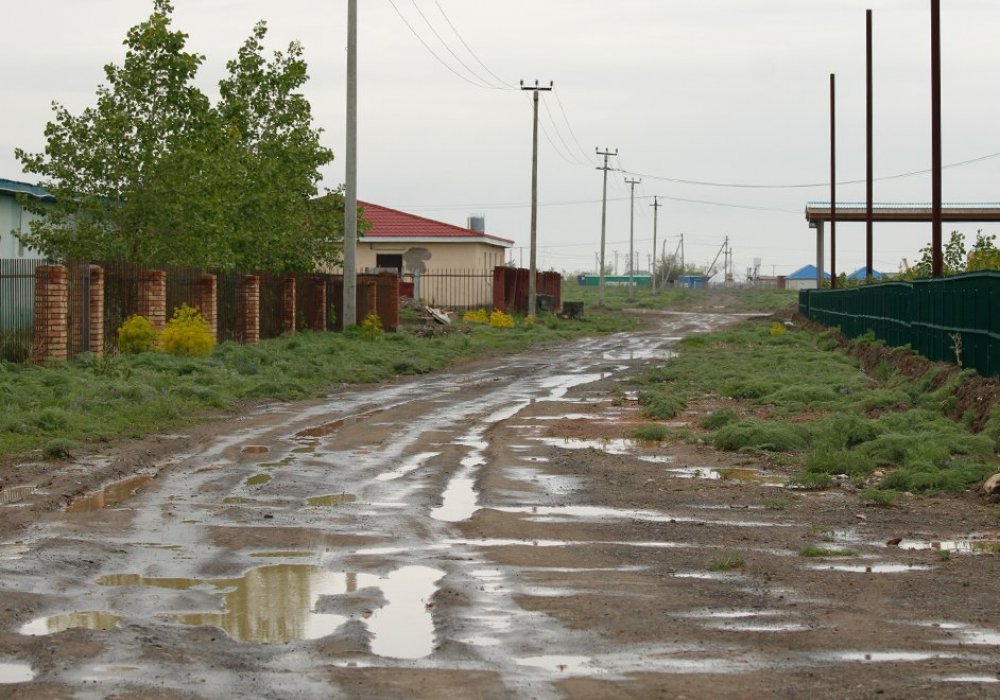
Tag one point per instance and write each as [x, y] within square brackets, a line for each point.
[806, 273]
[862, 272]
[15, 187]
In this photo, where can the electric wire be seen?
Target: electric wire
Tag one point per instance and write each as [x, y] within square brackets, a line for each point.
[562, 140]
[434, 53]
[588, 156]
[458, 58]
[469, 48]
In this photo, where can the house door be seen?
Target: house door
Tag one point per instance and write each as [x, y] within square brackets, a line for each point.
[390, 262]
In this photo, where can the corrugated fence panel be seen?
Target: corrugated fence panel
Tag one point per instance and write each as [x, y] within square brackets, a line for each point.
[945, 319]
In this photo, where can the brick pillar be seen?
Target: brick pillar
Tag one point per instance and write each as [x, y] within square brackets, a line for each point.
[318, 290]
[208, 302]
[79, 304]
[499, 289]
[51, 310]
[248, 308]
[96, 310]
[153, 298]
[388, 300]
[288, 302]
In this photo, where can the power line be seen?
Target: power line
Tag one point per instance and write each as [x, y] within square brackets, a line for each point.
[434, 53]
[572, 133]
[469, 48]
[448, 49]
[749, 186]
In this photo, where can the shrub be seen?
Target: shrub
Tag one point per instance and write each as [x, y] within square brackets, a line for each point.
[840, 462]
[499, 319]
[760, 435]
[652, 432]
[811, 551]
[878, 497]
[658, 404]
[529, 322]
[777, 329]
[136, 335]
[719, 419]
[727, 561]
[187, 334]
[478, 316]
[371, 328]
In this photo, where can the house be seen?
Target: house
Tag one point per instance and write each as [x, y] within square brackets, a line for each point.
[803, 278]
[861, 274]
[447, 265]
[14, 218]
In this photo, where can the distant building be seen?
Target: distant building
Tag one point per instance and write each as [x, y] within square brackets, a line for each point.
[691, 281]
[14, 218]
[861, 274]
[642, 279]
[803, 278]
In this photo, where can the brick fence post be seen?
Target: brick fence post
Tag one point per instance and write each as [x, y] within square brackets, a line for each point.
[153, 298]
[318, 320]
[208, 302]
[288, 302]
[248, 308]
[96, 310]
[51, 311]
[387, 298]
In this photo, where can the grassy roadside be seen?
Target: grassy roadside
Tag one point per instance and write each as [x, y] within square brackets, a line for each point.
[714, 299]
[797, 396]
[60, 408]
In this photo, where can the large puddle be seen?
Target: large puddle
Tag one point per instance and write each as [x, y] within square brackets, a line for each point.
[111, 495]
[15, 672]
[14, 494]
[965, 545]
[59, 623]
[409, 464]
[277, 604]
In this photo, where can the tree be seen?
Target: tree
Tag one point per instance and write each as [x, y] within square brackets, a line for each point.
[154, 174]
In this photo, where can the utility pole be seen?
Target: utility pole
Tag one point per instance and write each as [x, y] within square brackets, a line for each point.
[631, 238]
[604, 221]
[937, 259]
[869, 158]
[616, 263]
[351, 173]
[833, 180]
[532, 270]
[656, 210]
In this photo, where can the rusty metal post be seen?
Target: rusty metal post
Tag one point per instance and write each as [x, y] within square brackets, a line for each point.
[833, 181]
[870, 140]
[937, 260]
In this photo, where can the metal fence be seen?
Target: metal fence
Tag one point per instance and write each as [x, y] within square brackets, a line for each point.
[945, 319]
[454, 288]
[17, 308]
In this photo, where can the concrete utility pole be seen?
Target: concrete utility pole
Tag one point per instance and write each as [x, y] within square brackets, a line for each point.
[631, 238]
[870, 167]
[937, 258]
[532, 268]
[351, 174]
[604, 221]
[656, 210]
[682, 253]
[833, 181]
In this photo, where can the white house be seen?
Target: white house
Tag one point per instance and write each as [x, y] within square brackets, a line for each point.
[14, 218]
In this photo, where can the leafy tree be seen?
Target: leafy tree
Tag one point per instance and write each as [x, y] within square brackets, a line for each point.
[669, 269]
[953, 258]
[155, 174]
[984, 254]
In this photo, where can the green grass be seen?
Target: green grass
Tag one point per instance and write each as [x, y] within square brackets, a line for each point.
[736, 300]
[651, 433]
[823, 552]
[94, 400]
[727, 561]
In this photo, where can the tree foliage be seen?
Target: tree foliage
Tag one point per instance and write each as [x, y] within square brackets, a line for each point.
[155, 174]
[956, 258]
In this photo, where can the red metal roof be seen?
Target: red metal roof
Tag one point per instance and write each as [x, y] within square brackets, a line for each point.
[392, 223]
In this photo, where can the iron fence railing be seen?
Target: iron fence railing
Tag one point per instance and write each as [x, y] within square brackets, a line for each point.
[455, 288]
[955, 319]
[17, 308]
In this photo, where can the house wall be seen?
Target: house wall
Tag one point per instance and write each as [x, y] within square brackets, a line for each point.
[800, 284]
[14, 218]
[434, 256]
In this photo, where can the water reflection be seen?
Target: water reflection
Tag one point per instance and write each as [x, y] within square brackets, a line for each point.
[59, 623]
[110, 495]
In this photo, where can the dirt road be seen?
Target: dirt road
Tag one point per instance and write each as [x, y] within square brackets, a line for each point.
[487, 533]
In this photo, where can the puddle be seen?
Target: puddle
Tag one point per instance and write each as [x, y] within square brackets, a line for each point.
[333, 426]
[871, 568]
[564, 543]
[13, 494]
[736, 614]
[626, 354]
[258, 480]
[256, 450]
[237, 500]
[561, 664]
[410, 464]
[565, 513]
[968, 679]
[616, 446]
[281, 555]
[706, 575]
[968, 545]
[59, 623]
[747, 476]
[458, 502]
[111, 495]
[763, 627]
[13, 550]
[333, 499]
[559, 385]
[15, 673]
[276, 604]
[881, 657]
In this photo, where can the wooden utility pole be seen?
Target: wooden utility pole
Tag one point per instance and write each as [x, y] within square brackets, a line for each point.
[631, 238]
[604, 220]
[351, 173]
[656, 210]
[870, 174]
[532, 264]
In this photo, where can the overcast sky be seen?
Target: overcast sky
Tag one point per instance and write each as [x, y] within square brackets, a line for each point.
[728, 91]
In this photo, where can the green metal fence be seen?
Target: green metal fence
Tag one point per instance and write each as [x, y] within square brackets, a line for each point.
[947, 318]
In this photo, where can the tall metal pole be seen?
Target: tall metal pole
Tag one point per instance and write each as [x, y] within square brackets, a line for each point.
[532, 259]
[833, 181]
[937, 260]
[870, 172]
[351, 175]
[656, 210]
[604, 220]
[631, 239]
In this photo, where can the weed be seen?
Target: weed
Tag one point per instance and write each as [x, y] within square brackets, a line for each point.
[187, 334]
[840, 462]
[776, 503]
[371, 328]
[944, 554]
[59, 449]
[719, 419]
[811, 551]
[652, 432]
[727, 561]
[499, 319]
[812, 481]
[760, 435]
[878, 497]
[136, 334]
[479, 316]
[659, 403]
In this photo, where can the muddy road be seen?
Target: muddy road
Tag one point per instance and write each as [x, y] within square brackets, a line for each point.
[487, 533]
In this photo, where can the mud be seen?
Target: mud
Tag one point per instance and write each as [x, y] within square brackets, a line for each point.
[489, 532]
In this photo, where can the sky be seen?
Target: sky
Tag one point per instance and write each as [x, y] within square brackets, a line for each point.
[714, 91]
